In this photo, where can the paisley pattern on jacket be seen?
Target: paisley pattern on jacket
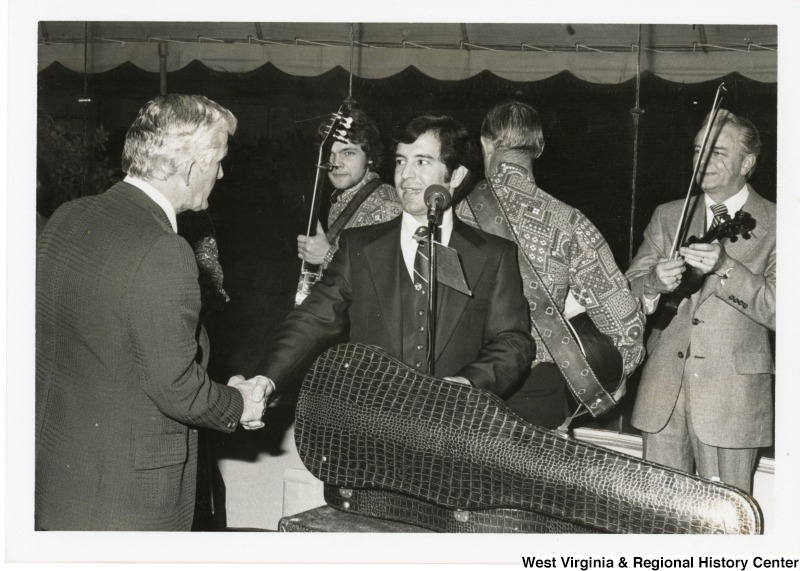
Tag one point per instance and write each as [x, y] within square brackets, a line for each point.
[570, 254]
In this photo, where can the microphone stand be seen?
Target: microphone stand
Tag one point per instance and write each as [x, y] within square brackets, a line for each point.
[432, 225]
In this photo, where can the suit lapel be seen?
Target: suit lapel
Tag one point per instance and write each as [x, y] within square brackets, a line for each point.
[695, 226]
[742, 248]
[697, 220]
[383, 257]
[473, 260]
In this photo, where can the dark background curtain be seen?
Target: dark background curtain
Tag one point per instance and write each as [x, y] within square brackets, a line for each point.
[260, 206]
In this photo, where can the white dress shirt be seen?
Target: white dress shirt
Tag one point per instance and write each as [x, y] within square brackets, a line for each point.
[157, 197]
[409, 246]
[733, 204]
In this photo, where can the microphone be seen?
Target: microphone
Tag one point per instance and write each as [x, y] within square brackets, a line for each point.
[437, 199]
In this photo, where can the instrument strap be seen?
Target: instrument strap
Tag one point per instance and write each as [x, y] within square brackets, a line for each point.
[547, 319]
[349, 210]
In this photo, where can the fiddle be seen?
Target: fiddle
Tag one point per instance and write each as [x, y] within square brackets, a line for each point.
[691, 282]
[337, 129]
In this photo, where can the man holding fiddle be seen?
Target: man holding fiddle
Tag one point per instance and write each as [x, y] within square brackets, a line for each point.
[705, 400]
[373, 287]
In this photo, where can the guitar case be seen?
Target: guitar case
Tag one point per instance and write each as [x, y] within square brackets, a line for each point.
[392, 443]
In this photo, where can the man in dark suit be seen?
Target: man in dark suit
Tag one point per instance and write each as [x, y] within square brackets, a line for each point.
[705, 400]
[119, 391]
[369, 286]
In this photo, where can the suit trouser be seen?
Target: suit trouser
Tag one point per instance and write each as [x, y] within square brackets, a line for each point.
[678, 446]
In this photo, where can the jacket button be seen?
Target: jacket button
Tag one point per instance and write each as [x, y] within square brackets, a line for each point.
[680, 354]
[420, 347]
[194, 431]
[744, 304]
[695, 321]
[730, 297]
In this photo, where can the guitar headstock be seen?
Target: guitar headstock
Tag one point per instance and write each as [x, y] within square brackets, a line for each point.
[338, 127]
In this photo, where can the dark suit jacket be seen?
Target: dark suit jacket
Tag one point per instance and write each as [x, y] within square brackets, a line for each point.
[117, 384]
[484, 338]
[729, 368]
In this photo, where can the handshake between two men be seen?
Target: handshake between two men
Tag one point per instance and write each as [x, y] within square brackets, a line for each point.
[255, 394]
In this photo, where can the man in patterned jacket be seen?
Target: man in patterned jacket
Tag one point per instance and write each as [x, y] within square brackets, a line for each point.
[564, 247]
[353, 166]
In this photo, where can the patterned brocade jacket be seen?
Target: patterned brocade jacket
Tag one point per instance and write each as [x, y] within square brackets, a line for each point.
[383, 204]
[570, 254]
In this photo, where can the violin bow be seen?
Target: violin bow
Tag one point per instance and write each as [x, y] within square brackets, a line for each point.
[684, 213]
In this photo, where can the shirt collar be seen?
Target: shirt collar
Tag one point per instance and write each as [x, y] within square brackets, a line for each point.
[408, 246]
[504, 168]
[353, 189]
[157, 197]
[410, 225]
[733, 204]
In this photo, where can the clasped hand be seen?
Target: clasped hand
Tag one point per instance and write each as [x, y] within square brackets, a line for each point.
[312, 249]
[707, 258]
[667, 274]
[255, 393]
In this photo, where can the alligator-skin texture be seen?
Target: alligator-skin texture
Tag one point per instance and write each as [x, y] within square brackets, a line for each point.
[399, 507]
[415, 448]
[330, 520]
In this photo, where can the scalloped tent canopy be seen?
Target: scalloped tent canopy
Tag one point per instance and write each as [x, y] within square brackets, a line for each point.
[598, 53]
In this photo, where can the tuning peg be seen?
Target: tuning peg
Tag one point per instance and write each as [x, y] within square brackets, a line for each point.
[341, 136]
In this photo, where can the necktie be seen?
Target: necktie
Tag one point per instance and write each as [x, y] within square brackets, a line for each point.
[421, 269]
[720, 214]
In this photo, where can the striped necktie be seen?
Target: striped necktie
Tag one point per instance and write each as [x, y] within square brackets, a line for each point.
[720, 215]
[421, 269]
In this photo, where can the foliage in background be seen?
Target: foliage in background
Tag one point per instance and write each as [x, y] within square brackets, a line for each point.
[70, 163]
